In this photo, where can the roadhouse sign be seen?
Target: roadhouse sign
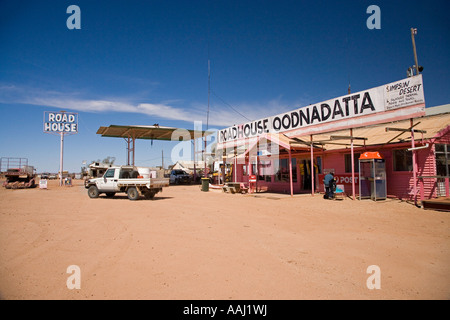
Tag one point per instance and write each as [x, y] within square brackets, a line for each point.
[60, 122]
[400, 94]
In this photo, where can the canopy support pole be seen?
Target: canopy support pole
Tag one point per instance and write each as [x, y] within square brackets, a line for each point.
[313, 173]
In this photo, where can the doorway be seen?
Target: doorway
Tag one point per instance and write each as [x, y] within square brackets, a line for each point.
[305, 174]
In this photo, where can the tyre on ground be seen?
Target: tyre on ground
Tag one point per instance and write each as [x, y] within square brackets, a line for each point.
[132, 193]
[93, 192]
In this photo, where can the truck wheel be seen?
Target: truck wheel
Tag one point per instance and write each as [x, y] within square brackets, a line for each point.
[110, 194]
[93, 192]
[132, 193]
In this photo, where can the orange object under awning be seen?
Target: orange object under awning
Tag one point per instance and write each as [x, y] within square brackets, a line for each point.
[371, 155]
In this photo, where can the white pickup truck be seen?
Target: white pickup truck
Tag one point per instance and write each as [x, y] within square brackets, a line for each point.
[125, 179]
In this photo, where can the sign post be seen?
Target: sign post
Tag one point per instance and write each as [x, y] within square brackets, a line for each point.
[61, 123]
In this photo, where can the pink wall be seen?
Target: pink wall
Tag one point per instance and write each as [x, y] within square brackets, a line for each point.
[400, 184]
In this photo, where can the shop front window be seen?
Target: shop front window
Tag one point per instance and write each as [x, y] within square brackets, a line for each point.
[442, 153]
[282, 174]
[402, 160]
[265, 171]
[348, 162]
[319, 165]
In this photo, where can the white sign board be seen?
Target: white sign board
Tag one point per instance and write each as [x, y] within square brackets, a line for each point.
[364, 105]
[43, 184]
[404, 93]
[60, 122]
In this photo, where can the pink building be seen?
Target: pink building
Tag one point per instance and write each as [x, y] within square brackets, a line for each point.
[416, 152]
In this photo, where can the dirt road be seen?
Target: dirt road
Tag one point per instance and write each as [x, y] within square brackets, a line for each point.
[189, 244]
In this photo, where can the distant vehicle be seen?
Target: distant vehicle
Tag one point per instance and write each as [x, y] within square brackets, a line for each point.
[98, 169]
[45, 175]
[179, 176]
[125, 179]
[52, 177]
[18, 173]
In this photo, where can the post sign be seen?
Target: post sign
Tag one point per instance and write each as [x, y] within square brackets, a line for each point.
[342, 178]
[60, 122]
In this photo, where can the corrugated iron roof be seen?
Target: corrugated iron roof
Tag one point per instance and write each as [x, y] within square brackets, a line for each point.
[154, 132]
[377, 134]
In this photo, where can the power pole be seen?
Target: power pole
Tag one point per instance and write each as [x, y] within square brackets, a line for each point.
[413, 32]
[207, 114]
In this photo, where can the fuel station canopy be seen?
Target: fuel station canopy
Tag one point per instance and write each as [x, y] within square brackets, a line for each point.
[154, 132]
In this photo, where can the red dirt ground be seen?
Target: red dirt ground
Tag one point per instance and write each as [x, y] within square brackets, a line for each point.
[189, 244]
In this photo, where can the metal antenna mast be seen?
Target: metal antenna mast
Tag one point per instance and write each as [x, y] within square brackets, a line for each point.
[209, 90]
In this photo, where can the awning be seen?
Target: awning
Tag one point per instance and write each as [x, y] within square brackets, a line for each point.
[426, 127]
[154, 132]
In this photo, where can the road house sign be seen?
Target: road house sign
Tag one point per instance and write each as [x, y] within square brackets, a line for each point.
[350, 108]
[60, 122]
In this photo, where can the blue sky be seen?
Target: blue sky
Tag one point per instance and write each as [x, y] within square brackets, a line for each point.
[144, 62]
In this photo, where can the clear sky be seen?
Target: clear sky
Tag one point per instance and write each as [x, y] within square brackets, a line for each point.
[139, 62]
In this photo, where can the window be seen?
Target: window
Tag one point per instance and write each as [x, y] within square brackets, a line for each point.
[244, 169]
[319, 165]
[442, 153]
[265, 170]
[282, 174]
[348, 162]
[110, 173]
[402, 160]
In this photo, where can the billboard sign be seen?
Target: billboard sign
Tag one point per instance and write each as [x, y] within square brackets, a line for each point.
[60, 122]
[378, 104]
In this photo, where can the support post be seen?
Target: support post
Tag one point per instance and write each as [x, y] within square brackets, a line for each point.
[204, 160]
[195, 168]
[134, 144]
[127, 140]
[313, 173]
[249, 171]
[61, 159]
[235, 165]
[290, 173]
[130, 150]
[353, 165]
[421, 187]
[447, 187]
[323, 168]
[414, 160]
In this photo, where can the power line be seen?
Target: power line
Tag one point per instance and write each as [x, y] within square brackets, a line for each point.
[230, 106]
